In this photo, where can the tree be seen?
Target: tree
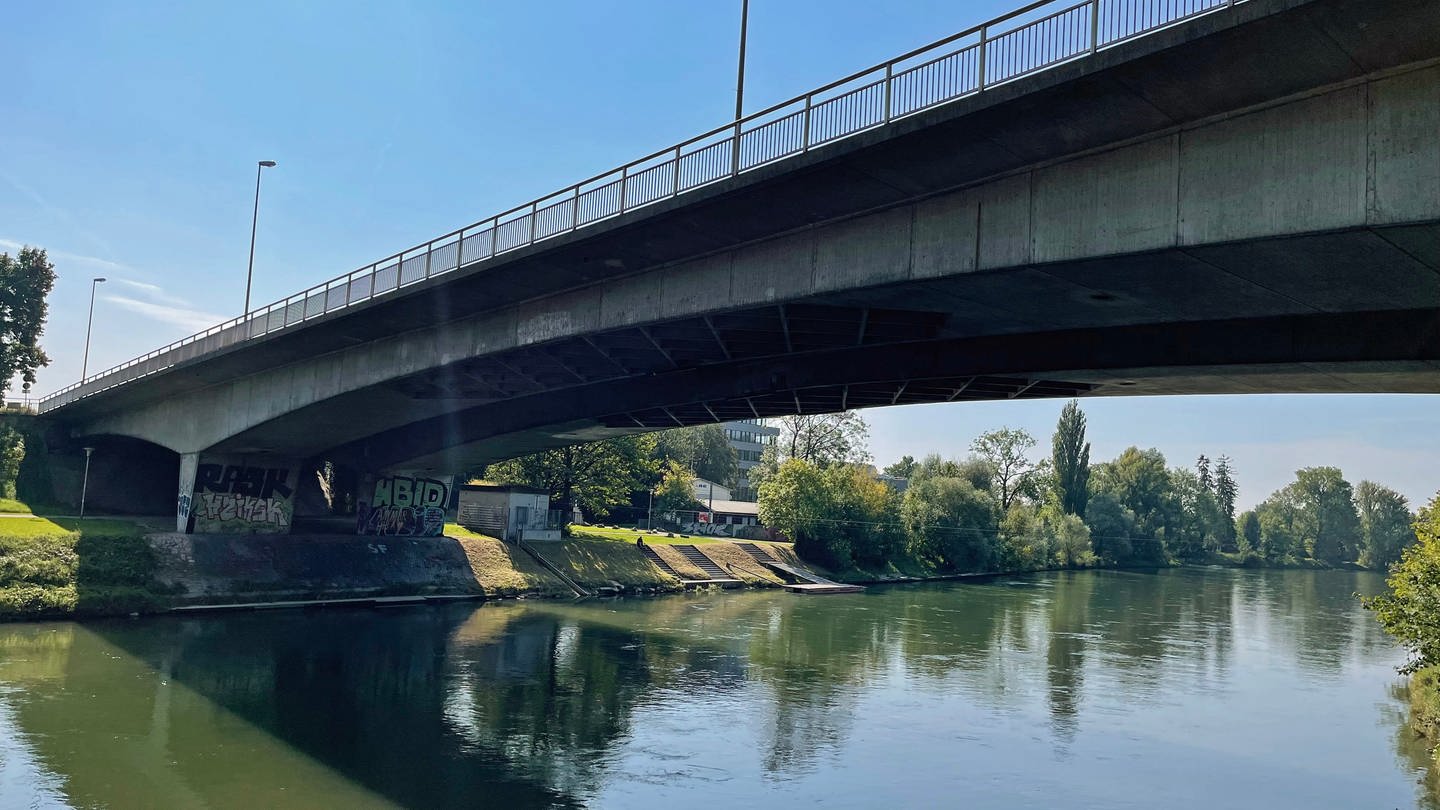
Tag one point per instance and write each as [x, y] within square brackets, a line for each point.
[25, 281]
[12, 453]
[1070, 454]
[1249, 534]
[1202, 472]
[1111, 527]
[702, 449]
[1139, 481]
[1278, 517]
[1411, 611]
[1385, 528]
[597, 475]
[951, 523]
[1198, 530]
[1005, 450]
[795, 500]
[1225, 493]
[676, 491]
[828, 438]
[1328, 521]
[903, 468]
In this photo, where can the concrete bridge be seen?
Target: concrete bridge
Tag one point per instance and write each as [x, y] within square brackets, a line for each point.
[1108, 197]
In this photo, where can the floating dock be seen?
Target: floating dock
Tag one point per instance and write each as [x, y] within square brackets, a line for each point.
[810, 582]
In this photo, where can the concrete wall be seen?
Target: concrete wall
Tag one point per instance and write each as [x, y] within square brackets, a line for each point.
[1362, 155]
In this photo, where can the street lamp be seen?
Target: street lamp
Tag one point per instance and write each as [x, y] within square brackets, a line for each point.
[249, 271]
[85, 482]
[85, 363]
[740, 82]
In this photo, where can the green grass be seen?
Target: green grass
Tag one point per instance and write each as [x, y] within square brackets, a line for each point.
[69, 567]
[12, 506]
[629, 535]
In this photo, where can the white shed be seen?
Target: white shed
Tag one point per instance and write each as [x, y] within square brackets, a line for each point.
[508, 511]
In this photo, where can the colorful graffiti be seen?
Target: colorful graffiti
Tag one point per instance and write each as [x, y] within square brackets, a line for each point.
[404, 506]
[241, 499]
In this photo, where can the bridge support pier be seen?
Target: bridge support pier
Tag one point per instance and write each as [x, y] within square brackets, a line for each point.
[236, 494]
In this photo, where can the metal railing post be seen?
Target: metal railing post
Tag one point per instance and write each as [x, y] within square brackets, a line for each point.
[889, 79]
[984, 38]
[675, 175]
[805, 142]
[575, 213]
[534, 216]
[1094, 25]
[459, 248]
[735, 152]
[494, 236]
[624, 187]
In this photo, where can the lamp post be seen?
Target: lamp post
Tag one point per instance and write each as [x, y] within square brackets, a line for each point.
[85, 482]
[254, 218]
[740, 82]
[90, 321]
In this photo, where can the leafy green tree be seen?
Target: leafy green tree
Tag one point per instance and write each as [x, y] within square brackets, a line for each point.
[825, 438]
[1329, 524]
[1005, 449]
[1411, 611]
[1280, 533]
[795, 500]
[1111, 527]
[863, 510]
[25, 281]
[1385, 524]
[1249, 533]
[904, 468]
[676, 491]
[12, 453]
[1225, 493]
[1071, 538]
[1199, 528]
[597, 476]
[1139, 481]
[951, 523]
[1070, 454]
[702, 449]
[1202, 472]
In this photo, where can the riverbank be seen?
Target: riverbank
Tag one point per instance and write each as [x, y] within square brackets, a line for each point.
[65, 567]
[72, 569]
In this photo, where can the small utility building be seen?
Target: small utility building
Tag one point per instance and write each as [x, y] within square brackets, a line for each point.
[510, 512]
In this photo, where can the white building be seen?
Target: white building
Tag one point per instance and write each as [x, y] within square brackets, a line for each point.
[508, 511]
[749, 438]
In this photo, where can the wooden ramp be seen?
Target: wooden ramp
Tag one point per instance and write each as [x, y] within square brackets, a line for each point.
[809, 581]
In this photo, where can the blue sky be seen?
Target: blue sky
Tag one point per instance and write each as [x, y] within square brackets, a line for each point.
[132, 130]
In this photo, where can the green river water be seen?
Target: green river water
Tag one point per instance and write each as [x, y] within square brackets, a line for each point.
[1192, 688]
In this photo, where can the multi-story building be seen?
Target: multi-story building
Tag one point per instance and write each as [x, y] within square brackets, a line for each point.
[749, 438]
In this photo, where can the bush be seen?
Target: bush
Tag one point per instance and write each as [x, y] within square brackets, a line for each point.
[1411, 611]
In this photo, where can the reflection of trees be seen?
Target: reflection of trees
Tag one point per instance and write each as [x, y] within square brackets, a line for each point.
[1412, 749]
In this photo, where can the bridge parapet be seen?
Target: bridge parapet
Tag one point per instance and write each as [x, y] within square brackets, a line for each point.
[1037, 37]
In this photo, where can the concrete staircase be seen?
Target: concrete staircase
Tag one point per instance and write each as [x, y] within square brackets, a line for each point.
[659, 562]
[699, 560]
[757, 552]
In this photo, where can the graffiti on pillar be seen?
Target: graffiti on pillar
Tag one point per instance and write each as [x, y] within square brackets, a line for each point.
[404, 505]
[241, 499]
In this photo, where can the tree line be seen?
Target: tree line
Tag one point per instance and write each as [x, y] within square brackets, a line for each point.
[1001, 508]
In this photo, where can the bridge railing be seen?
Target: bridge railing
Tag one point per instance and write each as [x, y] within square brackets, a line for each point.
[1025, 41]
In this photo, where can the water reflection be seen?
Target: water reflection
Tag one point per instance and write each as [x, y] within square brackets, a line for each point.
[635, 703]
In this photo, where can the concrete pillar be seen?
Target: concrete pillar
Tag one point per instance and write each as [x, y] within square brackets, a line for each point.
[189, 463]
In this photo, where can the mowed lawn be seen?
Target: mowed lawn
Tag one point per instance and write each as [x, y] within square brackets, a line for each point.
[629, 535]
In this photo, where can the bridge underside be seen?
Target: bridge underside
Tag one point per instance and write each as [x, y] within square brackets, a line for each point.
[1354, 311]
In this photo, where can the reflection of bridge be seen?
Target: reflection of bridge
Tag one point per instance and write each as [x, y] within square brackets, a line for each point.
[1088, 198]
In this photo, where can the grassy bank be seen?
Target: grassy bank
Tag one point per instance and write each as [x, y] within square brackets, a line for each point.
[56, 568]
[1424, 689]
[502, 570]
[629, 535]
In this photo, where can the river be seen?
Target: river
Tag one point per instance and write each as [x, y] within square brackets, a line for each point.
[1192, 688]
